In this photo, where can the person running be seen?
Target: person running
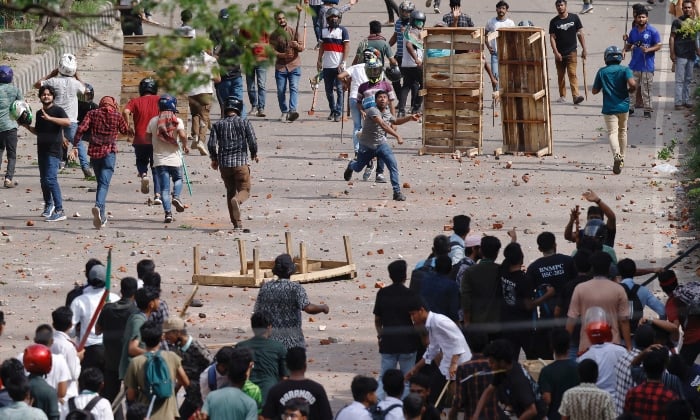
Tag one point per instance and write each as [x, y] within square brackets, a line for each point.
[163, 132]
[104, 124]
[142, 109]
[9, 93]
[643, 40]
[200, 97]
[564, 29]
[50, 121]
[373, 142]
[230, 140]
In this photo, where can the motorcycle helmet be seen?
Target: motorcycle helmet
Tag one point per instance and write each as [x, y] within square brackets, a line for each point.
[21, 112]
[148, 85]
[167, 103]
[67, 65]
[597, 325]
[374, 70]
[6, 74]
[612, 55]
[37, 359]
[417, 19]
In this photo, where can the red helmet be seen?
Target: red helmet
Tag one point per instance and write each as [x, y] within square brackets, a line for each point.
[599, 332]
[37, 359]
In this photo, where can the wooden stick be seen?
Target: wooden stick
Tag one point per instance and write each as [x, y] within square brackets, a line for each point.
[188, 302]
[95, 314]
[442, 393]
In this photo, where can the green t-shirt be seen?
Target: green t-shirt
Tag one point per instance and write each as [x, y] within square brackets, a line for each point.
[230, 403]
[132, 331]
[612, 80]
[269, 357]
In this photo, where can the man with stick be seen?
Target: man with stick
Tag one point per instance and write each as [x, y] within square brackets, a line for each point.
[643, 40]
[285, 41]
[564, 29]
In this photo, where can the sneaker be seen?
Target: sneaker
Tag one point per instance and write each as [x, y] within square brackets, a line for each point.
[193, 143]
[689, 106]
[168, 217]
[347, 175]
[678, 107]
[48, 210]
[87, 172]
[156, 200]
[561, 100]
[145, 185]
[336, 117]
[284, 117]
[62, 166]
[436, 9]
[400, 114]
[389, 23]
[331, 116]
[96, 218]
[202, 149]
[647, 114]
[617, 164]
[57, 216]
[178, 205]
[587, 8]
[631, 111]
[367, 173]
[8, 183]
[260, 113]
[398, 196]
[379, 179]
[236, 210]
[428, 3]
[292, 116]
[318, 45]
[578, 100]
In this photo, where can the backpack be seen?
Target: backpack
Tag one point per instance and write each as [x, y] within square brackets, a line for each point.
[689, 294]
[458, 270]
[75, 413]
[211, 377]
[636, 306]
[159, 384]
[77, 291]
[421, 273]
[380, 413]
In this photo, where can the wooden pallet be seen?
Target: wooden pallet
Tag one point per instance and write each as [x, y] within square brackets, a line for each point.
[524, 91]
[254, 273]
[452, 91]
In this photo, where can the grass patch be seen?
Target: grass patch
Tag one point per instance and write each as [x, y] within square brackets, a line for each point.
[666, 152]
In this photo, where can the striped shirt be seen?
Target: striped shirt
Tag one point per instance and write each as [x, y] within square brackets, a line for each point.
[587, 402]
[334, 46]
[233, 136]
[399, 27]
[625, 381]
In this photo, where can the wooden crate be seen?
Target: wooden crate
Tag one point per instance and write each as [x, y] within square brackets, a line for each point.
[452, 91]
[254, 273]
[524, 91]
[133, 73]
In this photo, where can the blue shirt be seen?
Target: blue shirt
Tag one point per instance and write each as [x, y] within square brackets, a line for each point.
[441, 295]
[612, 80]
[647, 38]
[647, 298]
[399, 27]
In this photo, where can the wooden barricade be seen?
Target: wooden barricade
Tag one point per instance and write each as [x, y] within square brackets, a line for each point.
[452, 90]
[524, 91]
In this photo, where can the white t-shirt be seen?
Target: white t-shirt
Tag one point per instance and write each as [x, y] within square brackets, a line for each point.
[203, 64]
[164, 153]
[67, 90]
[355, 411]
[606, 356]
[59, 373]
[493, 24]
[101, 411]
[396, 413]
[357, 72]
[84, 307]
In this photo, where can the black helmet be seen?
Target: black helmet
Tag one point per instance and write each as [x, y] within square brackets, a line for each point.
[612, 55]
[393, 74]
[148, 85]
[595, 228]
[417, 19]
[407, 6]
[333, 12]
[233, 103]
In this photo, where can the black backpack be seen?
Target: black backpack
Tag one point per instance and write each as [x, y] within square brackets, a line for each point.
[380, 413]
[75, 413]
[420, 274]
[77, 291]
[636, 309]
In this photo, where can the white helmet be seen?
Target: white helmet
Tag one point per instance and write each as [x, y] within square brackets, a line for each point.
[67, 65]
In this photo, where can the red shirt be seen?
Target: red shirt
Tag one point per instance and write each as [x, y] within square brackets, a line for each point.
[675, 311]
[142, 109]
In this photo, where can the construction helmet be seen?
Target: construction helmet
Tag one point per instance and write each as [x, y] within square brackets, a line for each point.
[612, 55]
[148, 85]
[89, 94]
[21, 112]
[6, 74]
[37, 359]
[167, 103]
[67, 65]
[332, 13]
[373, 70]
[233, 103]
[393, 74]
[597, 326]
[417, 19]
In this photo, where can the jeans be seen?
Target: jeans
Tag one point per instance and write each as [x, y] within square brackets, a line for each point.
[291, 78]
[200, 106]
[413, 82]
[356, 123]
[237, 182]
[404, 361]
[8, 141]
[689, 352]
[616, 125]
[494, 67]
[568, 64]
[144, 158]
[645, 80]
[69, 133]
[256, 97]
[331, 81]
[104, 169]
[48, 177]
[382, 152]
[684, 76]
[230, 87]
[164, 173]
[316, 19]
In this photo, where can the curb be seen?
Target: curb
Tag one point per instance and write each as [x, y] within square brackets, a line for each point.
[37, 66]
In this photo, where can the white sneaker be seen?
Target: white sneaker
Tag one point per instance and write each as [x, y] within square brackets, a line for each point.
[587, 8]
[283, 117]
[436, 9]
[562, 100]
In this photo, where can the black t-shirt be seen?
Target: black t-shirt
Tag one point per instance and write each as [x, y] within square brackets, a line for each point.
[609, 234]
[554, 270]
[516, 288]
[513, 389]
[307, 389]
[684, 45]
[398, 333]
[49, 136]
[113, 320]
[556, 378]
[564, 31]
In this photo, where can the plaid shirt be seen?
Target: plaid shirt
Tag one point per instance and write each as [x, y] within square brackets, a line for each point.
[625, 381]
[469, 392]
[649, 400]
[463, 21]
[104, 126]
[233, 136]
